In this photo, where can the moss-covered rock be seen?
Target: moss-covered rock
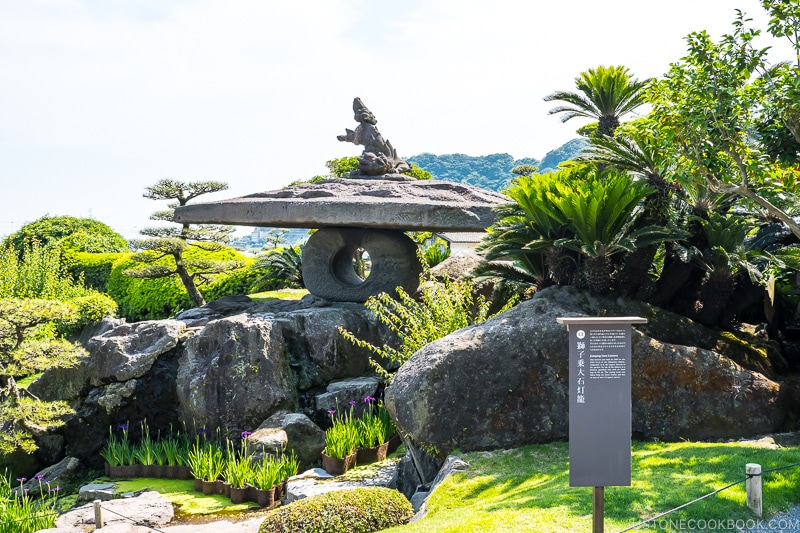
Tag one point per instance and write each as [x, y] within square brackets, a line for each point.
[360, 510]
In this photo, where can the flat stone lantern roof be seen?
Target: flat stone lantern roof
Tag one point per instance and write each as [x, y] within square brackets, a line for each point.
[425, 205]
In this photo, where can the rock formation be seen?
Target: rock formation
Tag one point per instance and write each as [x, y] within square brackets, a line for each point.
[503, 383]
[231, 364]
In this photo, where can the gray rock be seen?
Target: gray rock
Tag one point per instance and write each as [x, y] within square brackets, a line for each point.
[266, 441]
[427, 205]
[235, 373]
[305, 438]
[51, 477]
[418, 499]
[407, 478]
[96, 491]
[318, 353]
[98, 328]
[148, 509]
[504, 383]
[339, 393]
[317, 481]
[113, 395]
[128, 351]
[455, 267]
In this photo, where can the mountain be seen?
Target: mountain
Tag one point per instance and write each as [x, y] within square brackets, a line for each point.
[489, 171]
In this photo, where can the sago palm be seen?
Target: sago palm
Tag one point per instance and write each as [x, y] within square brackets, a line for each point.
[602, 215]
[605, 94]
[519, 246]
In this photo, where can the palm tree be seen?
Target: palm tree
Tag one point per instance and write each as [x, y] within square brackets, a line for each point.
[606, 94]
[602, 214]
[727, 257]
[636, 150]
[519, 246]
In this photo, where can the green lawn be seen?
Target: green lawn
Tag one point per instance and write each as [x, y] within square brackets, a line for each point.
[281, 294]
[527, 489]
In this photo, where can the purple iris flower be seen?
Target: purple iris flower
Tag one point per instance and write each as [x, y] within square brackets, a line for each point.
[123, 427]
[246, 434]
[351, 403]
[22, 479]
[332, 412]
[369, 399]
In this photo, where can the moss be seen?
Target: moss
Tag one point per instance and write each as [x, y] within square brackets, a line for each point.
[360, 510]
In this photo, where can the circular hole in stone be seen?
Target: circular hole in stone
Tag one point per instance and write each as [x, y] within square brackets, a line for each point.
[362, 264]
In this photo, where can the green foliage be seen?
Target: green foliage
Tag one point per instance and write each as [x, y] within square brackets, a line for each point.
[80, 234]
[709, 105]
[489, 172]
[435, 253]
[418, 173]
[165, 253]
[360, 510]
[571, 218]
[94, 268]
[245, 280]
[162, 297]
[283, 267]
[29, 344]
[605, 94]
[39, 273]
[341, 439]
[443, 309]
[524, 170]
[342, 167]
[145, 299]
[35, 271]
[27, 513]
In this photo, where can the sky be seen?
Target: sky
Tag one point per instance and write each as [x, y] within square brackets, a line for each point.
[102, 98]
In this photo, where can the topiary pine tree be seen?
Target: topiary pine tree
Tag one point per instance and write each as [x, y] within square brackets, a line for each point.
[29, 344]
[172, 242]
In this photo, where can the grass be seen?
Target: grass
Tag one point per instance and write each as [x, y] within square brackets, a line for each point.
[188, 503]
[527, 489]
[281, 294]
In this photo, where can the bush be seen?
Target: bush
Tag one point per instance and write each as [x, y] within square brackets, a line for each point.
[81, 234]
[92, 308]
[241, 281]
[95, 268]
[151, 299]
[360, 510]
[145, 299]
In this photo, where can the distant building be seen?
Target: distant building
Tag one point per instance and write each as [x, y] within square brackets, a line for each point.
[462, 241]
[261, 237]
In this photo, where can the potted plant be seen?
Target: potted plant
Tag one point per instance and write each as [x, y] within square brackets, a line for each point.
[341, 441]
[290, 464]
[268, 475]
[375, 428]
[238, 473]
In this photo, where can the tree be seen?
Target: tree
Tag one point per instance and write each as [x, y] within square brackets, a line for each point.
[707, 108]
[606, 94]
[171, 243]
[29, 344]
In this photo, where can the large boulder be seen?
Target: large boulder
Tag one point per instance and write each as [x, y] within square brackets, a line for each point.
[504, 383]
[235, 373]
[305, 438]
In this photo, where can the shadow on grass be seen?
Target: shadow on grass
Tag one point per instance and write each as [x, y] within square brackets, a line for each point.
[664, 476]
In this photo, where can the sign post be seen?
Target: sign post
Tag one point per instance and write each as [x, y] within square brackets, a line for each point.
[599, 405]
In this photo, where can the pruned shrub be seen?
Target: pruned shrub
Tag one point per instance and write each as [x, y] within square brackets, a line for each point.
[360, 510]
[95, 268]
[145, 299]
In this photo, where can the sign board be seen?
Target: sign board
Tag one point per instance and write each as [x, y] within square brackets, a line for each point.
[600, 400]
